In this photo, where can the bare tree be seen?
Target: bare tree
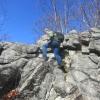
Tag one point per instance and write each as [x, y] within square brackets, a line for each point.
[62, 15]
[97, 15]
[55, 19]
[91, 12]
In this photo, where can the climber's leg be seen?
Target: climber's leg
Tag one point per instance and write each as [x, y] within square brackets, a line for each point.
[57, 55]
[44, 50]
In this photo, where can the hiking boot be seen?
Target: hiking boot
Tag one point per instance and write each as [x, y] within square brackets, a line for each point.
[62, 67]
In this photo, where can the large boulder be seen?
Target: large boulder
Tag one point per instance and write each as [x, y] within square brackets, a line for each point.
[77, 79]
[84, 71]
[85, 38]
[94, 45]
[63, 89]
[72, 41]
[8, 56]
[95, 32]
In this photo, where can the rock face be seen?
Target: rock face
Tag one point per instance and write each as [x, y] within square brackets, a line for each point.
[9, 79]
[22, 67]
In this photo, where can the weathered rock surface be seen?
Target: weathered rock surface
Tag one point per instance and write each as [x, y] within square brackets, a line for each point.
[22, 67]
[72, 41]
[9, 79]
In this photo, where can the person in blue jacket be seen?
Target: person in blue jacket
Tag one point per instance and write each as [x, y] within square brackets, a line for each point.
[55, 39]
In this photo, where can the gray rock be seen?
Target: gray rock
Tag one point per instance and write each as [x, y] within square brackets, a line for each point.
[96, 35]
[8, 56]
[18, 63]
[69, 45]
[45, 87]
[60, 89]
[72, 42]
[18, 48]
[79, 61]
[85, 75]
[79, 76]
[85, 38]
[32, 49]
[35, 76]
[9, 79]
[99, 64]
[52, 95]
[73, 32]
[6, 45]
[95, 32]
[85, 49]
[63, 89]
[80, 97]
[58, 74]
[94, 46]
[76, 42]
[94, 58]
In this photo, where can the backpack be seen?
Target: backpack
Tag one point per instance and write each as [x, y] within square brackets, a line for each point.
[58, 36]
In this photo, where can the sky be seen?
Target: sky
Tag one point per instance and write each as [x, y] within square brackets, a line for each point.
[20, 18]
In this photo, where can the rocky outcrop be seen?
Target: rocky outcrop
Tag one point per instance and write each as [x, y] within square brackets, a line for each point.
[9, 79]
[22, 67]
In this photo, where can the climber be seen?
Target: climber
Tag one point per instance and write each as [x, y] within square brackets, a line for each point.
[54, 41]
